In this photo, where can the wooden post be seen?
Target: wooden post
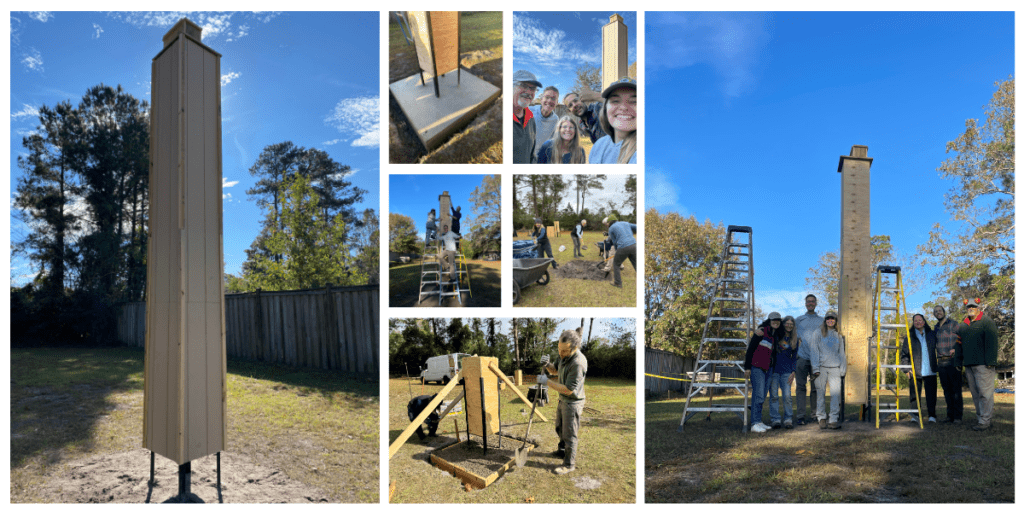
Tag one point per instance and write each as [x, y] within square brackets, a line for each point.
[855, 297]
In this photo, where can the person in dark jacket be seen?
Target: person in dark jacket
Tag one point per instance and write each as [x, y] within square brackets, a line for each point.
[457, 220]
[950, 377]
[576, 235]
[757, 365]
[977, 353]
[543, 243]
[922, 346]
[782, 376]
[416, 406]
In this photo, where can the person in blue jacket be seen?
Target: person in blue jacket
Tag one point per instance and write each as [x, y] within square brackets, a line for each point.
[456, 218]
[621, 235]
[543, 244]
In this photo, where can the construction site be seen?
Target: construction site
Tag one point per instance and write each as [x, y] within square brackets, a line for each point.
[465, 430]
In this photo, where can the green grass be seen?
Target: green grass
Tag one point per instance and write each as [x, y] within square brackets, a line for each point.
[321, 428]
[580, 292]
[715, 462]
[606, 454]
[484, 280]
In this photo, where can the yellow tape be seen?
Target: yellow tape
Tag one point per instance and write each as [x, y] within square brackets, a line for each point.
[690, 380]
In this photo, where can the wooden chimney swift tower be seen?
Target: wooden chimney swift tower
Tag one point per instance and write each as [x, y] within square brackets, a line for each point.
[185, 373]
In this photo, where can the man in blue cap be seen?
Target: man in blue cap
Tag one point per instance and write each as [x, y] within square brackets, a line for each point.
[524, 127]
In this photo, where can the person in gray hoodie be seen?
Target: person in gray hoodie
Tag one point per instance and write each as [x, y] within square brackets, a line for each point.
[828, 365]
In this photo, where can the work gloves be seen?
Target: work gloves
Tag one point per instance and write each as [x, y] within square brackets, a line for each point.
[545, 359]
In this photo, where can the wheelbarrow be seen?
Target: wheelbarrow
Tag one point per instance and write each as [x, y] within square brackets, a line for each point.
[524, 249]
[526, 271]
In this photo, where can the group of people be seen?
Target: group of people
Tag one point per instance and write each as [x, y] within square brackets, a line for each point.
[550, 133]
[449, 240]
[620, 236]
[811, 348]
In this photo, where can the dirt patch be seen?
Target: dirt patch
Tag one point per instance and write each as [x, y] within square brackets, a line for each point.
[581, 269]
[586, 483]
[124, 478]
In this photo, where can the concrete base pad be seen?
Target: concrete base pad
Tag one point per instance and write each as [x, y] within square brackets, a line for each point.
[435, 119]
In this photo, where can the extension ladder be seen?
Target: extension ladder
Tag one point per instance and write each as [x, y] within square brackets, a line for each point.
[890, 298]
[728, 327]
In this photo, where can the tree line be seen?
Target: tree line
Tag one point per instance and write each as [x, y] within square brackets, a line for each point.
[547, 197]
[81, 209]
[412, 341]
[970, 255]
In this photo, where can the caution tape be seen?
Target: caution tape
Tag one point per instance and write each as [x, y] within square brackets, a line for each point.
[691, 380]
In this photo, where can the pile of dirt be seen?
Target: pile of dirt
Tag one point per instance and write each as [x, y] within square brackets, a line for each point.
[581, 269]
[123, 477]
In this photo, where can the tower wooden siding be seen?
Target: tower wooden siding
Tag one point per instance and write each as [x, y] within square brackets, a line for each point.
[185, 372]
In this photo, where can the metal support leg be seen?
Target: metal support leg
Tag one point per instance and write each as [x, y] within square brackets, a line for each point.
[152, 468]
[184, 480]
[483, 414]
[218, 471]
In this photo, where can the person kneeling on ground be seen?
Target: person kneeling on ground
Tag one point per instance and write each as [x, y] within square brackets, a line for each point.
[571, 368]
[416, 406]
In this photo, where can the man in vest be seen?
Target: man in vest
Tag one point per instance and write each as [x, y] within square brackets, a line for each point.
[571, 368]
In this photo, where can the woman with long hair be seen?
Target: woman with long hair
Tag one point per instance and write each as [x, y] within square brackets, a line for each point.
[564, 145]
[618, 119]
[757, 366]
[782, 375]
[828, 365]
[922, 346]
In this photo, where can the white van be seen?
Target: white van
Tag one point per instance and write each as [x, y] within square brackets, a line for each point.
[442, 369]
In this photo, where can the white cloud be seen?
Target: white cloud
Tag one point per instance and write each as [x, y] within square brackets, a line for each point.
[99, 30]
[333, 142]
[660, 192]
[548, 47]
[226, 79]
[26, 111]
[42, 16]
[786, 302]
[224, 183]
[214, 24]
[360, 116]
[32, 60]
[226, 197]
[733, 44]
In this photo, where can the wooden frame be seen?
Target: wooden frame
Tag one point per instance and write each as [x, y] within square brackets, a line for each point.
[468, 477]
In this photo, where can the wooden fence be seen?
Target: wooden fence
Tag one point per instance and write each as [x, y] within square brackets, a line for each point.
[336, 328]
[668, 366]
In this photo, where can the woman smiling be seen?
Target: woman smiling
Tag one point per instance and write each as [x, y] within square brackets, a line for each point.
[619, 120]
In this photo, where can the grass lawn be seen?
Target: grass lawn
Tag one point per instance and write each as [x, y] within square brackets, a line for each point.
[320, 428]
[484, 279]
[562, 292]
[715, 462]
[606, 459]
[481, 55]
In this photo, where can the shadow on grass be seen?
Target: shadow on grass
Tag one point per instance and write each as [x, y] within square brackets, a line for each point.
[714, 461]
[485, 281]
[59, 394]
[310, 380]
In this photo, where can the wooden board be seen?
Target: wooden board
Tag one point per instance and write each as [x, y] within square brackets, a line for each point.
[473, 368]
[445, 30]
[443, 459]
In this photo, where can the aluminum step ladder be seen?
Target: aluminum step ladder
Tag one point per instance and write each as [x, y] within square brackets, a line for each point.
[891, 330]
[430, 268]
[454, 288]
[728, 327]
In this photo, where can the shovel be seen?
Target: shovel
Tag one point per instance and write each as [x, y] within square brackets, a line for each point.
[522, 451]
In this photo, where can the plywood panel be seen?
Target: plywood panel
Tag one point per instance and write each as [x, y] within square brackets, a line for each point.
[195, 380]
[195, 176]
[445, 30]
[212, 180]
[214, 385]
[473, 368]
[421, 39]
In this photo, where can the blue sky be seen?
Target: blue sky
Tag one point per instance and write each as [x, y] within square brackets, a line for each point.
[308, 77]
[413, 195]
[760, 106]
[552, 45]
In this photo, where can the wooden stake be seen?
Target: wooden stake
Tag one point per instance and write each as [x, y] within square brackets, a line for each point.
[404, 436]
[494, 368]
